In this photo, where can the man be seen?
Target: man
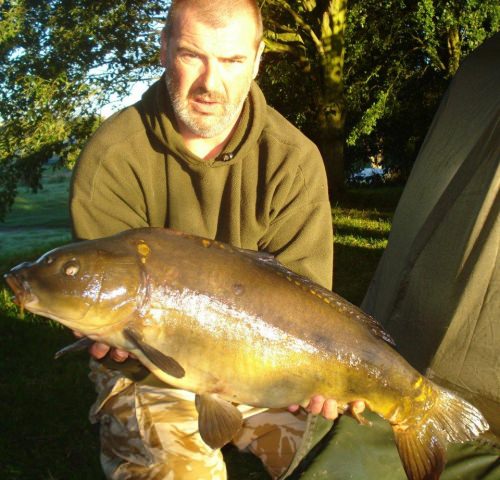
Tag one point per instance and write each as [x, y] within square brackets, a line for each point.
[204, 154]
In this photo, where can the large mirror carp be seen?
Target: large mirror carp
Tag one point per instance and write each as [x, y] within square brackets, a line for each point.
[237, 327]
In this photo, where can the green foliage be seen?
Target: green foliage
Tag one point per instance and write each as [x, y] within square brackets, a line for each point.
[368, 121]
[61, 61]
[399, 58]
[398, 70]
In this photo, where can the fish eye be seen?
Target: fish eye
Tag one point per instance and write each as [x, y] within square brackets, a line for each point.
[70, 269]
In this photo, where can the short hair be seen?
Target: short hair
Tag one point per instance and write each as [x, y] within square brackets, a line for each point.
[215, 12]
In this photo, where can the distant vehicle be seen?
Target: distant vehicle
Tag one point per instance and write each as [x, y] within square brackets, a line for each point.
[367, 176]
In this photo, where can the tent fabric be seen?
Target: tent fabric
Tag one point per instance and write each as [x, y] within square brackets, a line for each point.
[436, 288]
[368, 452]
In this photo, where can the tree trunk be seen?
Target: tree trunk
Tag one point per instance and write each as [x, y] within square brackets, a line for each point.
[454, 51]
[317, 39]
[331, 114]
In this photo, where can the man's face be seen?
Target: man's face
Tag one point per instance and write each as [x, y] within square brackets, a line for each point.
[209, 71]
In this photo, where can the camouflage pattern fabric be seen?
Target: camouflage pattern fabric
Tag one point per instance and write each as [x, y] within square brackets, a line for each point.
[150, 431]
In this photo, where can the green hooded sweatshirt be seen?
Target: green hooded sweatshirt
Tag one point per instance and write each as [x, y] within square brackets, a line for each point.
[266, 191]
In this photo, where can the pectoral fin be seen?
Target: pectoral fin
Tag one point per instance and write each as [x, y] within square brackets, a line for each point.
[168, 364]
[218, 420]
[81, 344]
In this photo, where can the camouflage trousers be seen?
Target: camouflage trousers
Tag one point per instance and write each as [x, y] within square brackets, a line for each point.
[151, 432]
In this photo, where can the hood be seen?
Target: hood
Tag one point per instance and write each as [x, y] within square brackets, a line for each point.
[158, 116]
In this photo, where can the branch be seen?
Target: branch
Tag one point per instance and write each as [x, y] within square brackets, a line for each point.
[280, 47]
[302, 24]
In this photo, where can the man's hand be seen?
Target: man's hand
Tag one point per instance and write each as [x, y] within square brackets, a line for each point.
[328, 407]
[100, 350]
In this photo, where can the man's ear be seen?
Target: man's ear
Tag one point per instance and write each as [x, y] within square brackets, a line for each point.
[257, 59]
[163, 48]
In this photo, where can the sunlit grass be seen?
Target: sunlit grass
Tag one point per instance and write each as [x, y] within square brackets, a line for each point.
[355, 241]
[362, 222]
[361, 228]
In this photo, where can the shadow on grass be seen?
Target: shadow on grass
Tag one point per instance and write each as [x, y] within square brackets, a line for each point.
[384, 199]
[43, 405]
[354, 269]
[359, 232]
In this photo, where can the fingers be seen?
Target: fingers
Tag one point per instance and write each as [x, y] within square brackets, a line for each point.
[329, 410]
[316, 404]
[118, 355]
[326, 407]
[358, 407]
[99, 350]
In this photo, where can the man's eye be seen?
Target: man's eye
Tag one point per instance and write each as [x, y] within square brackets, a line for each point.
[188, 56]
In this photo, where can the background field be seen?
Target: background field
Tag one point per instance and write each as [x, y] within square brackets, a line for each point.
[38, 220]
[44, 403]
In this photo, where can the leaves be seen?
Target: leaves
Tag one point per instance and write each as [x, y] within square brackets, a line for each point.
[61, 62]
[399, 57]
[398, 70]
[378, 69]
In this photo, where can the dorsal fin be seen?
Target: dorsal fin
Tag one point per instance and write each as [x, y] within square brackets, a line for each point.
[335, 300]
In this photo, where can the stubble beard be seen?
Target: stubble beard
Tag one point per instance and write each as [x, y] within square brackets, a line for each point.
[205, 126]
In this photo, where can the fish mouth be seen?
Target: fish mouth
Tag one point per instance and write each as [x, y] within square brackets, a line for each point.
[21, 288]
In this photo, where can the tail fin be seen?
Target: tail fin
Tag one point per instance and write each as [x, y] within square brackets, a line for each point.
[422, 445]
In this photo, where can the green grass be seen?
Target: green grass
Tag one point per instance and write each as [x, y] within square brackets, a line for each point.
[44, 403]
[38, 221]
[362, 221]
[45, 433]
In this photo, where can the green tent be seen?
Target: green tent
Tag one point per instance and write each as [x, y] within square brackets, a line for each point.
[437, 287]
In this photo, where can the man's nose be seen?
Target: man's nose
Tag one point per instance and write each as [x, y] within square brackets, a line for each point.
[211, 76]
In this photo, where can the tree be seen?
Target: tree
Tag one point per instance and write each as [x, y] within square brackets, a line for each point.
[61, 61]
[396, 71]
[312, 33]
[399, 57]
